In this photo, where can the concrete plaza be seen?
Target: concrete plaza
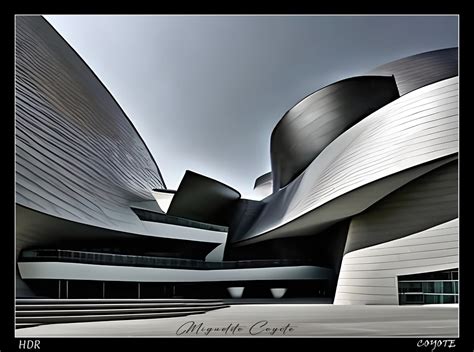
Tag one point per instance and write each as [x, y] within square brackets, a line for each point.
[274, 320]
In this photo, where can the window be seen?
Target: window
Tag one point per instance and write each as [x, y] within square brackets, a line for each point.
[438, 287]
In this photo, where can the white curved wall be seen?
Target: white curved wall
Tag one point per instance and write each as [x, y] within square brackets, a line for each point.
[76, 271]
[369, 275]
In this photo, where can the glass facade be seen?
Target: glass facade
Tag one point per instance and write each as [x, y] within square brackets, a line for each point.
[429, 288]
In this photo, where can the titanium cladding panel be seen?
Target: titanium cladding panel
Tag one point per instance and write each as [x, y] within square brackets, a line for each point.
[78, 156]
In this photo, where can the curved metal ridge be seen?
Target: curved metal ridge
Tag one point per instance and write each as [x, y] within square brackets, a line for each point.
[357, 201]
[419, 70]
[307, 128]
[261, 180]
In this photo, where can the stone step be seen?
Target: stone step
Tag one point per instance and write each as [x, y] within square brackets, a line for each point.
[51, 312]
[30, 312]
[22, 307]
[20, 301]
[103, 317]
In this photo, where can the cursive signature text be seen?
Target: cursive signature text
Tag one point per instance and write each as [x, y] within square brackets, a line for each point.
[259, 328]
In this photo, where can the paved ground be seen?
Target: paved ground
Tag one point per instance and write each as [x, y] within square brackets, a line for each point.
[276, 320]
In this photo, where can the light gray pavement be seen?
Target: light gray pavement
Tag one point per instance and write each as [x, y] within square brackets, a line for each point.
[282, 320]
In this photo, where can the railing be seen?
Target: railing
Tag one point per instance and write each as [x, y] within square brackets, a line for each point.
[74, 256]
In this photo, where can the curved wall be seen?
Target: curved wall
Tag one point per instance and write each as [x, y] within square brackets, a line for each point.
[369, 275]
[307, 128]
[415, 129]
[430, 200]
[349, 204]
[75, 271]
[78, 156]
[419, 70]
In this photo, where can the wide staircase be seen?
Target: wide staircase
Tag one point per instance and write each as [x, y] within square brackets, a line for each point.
[32, 312]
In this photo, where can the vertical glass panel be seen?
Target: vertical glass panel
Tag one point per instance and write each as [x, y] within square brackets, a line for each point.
[448, 298]
[432, 299]
[438, 287]
[428, 287]
[448, 287]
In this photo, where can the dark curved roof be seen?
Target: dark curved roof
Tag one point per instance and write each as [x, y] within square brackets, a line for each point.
[203, 199]
[307, 128]
[419, 70]
[78, 156]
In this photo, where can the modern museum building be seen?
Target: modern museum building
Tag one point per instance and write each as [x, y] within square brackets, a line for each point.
[360, 205]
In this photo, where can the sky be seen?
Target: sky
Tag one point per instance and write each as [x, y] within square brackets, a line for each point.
[205, 92]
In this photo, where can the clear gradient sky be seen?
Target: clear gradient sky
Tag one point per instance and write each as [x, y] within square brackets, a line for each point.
[205, 92]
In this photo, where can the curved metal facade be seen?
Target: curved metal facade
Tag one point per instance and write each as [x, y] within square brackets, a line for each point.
[78, 156]
[393, 175]
[415, 129]
[307, 128]
[343, 207]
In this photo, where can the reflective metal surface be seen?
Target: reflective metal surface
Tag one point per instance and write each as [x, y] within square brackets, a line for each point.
[307, 128]
[419, 70]
[418, 128]
[78, 156]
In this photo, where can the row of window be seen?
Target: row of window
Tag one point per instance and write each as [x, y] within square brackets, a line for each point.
[428, 287]
[427, 299]
[437, 287]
